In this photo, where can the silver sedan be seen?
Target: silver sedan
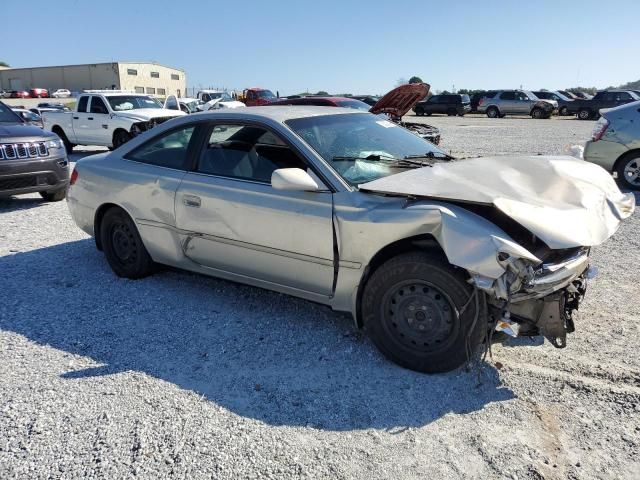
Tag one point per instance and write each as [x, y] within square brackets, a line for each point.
[348, 209]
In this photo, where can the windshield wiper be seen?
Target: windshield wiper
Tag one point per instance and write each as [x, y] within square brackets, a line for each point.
[406, 162]
[431, 155]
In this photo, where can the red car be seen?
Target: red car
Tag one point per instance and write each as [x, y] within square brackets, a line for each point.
[325, 102]
[255, 96]
[20, 94]
[39, 93]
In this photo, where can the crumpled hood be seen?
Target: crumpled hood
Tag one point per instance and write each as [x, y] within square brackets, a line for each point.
[401, 99]
[142, 114]
[564, 201]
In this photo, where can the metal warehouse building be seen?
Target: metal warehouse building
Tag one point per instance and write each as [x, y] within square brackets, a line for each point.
[142, 77]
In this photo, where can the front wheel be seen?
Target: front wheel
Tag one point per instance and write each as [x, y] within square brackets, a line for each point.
[419, 312]
[123, 247]
[628, 171]
[563, 112]
[537, 113]
[419, 111]
[120, 138]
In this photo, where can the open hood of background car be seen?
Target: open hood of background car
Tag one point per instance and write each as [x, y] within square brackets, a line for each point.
[148, 113]
[564, 201]
[400, 100]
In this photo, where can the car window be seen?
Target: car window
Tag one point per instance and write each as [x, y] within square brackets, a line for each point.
[521, 96]
[246, 152]
[98, 106]
[168, 150]
[624, 96]
[508, 96]
[434, 99]
[609, 97]
[82, 104]
[465, 98]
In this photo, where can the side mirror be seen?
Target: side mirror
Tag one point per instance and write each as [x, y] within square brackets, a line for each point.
[294, 179]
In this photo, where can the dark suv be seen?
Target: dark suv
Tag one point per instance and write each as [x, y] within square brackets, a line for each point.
[449, 104]
[31, 160]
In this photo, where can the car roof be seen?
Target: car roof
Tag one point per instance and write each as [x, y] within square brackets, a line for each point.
[187, 99]
[280, 113]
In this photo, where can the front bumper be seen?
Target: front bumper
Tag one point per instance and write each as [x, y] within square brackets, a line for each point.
[545, 298]
[21, 176]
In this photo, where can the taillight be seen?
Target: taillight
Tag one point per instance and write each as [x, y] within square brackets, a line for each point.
[74, 177]
[599, 129]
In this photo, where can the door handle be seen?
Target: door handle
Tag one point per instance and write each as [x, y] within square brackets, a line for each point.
[76, 118]
[191, 201]
[89, 118]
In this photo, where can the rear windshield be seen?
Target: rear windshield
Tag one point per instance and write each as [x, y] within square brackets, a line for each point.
[357, 104]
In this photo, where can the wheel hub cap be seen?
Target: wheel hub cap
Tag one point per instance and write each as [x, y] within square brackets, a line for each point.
[420, 316]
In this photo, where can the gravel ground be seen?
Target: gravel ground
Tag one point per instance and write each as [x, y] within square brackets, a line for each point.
[183, 376]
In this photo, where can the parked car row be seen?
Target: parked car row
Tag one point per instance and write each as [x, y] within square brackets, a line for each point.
[35, 93]
[498, 103]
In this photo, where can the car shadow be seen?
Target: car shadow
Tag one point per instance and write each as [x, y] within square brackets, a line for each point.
[259, 354]
[10, 204]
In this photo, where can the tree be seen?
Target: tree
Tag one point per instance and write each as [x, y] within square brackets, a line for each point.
[415, 79]
[322, 92]
[4, 64]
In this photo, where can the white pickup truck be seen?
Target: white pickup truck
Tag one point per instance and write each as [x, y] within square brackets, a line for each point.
[107, 117]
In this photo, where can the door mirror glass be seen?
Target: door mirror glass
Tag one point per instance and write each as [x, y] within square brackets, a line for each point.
[171, 103]
[294, 179]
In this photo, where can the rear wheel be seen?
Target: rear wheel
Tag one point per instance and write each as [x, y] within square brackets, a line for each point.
[452, 112]
[419, 111]
[628, 170]
[584, 114]
[417, 310]
[492, 112]
[123, 247]
[55, 196]
[563, 112]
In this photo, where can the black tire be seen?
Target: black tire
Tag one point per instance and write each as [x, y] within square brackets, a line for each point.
[493, 112]
[68, 146]
[537, 113]
[123, 247]
[452, 112]
[419, 111]
[626, 168]
[409, 307]
[120, 137]
[584, 114]
[563, 112]
[55, 196]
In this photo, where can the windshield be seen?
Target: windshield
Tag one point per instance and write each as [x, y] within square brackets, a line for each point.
[7, 115]
[356, 145]
[131, 102]
[357, 104]
[265, 94]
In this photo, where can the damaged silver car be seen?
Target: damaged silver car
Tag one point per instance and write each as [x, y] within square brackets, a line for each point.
[348, 209]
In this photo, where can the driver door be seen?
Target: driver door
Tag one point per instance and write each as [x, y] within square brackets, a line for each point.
[234, 221]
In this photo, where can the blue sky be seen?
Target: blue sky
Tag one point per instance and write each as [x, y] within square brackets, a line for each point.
[338, 46]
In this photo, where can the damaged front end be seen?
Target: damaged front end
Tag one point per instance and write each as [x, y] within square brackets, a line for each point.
[538, 298]
[142, 126]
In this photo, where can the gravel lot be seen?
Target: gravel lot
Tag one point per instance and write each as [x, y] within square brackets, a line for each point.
[183, 376]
